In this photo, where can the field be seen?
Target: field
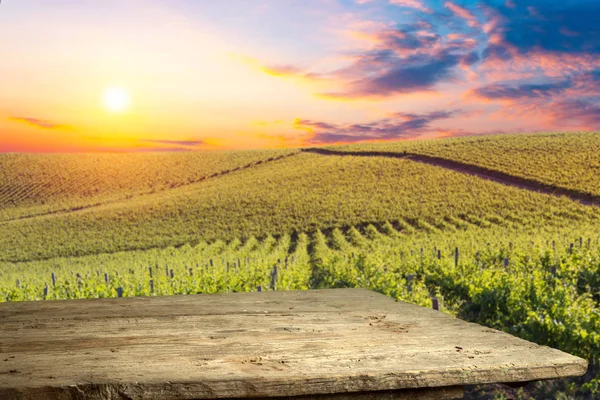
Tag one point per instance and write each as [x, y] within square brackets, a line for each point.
[32, 185]
[562, 160]
[296, 194]
[490, 252]
[546, 289]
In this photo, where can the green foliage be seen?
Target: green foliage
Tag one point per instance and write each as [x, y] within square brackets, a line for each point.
[535, 284]
[204, 268]
[539, 284]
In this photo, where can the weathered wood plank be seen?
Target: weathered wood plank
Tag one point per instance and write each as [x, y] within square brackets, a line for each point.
[266, 344]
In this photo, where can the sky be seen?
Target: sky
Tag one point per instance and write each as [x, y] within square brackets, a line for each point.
[241, 74]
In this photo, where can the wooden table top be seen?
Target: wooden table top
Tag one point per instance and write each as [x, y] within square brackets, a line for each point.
[265, 344]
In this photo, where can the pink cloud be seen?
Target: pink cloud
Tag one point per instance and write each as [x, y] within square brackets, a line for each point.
[416, 4]
[541, 115]
[462, 13]
[38, 123]
[535, 64]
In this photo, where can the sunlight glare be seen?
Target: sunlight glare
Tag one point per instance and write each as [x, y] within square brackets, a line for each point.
[116, 99]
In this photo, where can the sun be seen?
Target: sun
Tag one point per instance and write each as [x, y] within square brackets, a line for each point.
[116, 99]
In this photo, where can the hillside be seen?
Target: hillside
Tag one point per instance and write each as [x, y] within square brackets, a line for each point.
[38, 184]
[299, 193]
[561, 160]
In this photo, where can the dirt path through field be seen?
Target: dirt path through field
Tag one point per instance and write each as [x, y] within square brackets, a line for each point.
[481, 172]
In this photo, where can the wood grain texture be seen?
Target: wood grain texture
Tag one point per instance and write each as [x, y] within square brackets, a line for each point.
[251, 345]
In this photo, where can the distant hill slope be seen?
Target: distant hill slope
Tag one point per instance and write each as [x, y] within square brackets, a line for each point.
[298, 193]
[34, 184]
[564, 160]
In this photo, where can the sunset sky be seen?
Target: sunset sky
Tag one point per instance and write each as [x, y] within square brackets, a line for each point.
[233, 74]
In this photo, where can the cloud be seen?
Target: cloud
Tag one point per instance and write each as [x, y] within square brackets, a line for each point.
[416, 4]
[411, 37]
[407, 58]
[165, 149]
[585, 84]
[523, 58]
[140, 149]
[470, 59]
[280, 71]
[413, 4]
[584, 112]
[39, 123]
[558, 112]
[462, 13]
[398, 126]
[393, 59]
[290, 71]
[405, 75]
[525, 90]
[175, 142]
[458, 42]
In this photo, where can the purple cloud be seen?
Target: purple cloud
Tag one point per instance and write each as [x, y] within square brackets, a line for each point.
[526, 90]
[398, 126]
[586, 112]
[404, 75]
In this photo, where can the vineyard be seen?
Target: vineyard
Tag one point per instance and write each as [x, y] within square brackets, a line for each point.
[539, 284]
[205, 268]
[32, 185]
[87, 226]
[300, 193]
[564, 160]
